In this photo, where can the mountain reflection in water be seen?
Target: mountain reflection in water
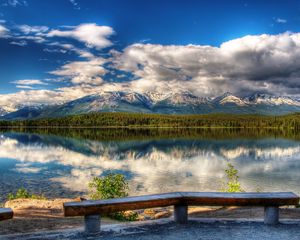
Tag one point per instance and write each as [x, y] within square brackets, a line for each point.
[62, 166]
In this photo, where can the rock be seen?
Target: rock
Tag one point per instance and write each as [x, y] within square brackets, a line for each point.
[154, 213]
[150, 211]
[79, 199]
[129, 213]
[141, 218]
[164, 214]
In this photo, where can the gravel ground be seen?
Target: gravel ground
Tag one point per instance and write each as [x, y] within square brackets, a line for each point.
[168, 230]
[33, 215]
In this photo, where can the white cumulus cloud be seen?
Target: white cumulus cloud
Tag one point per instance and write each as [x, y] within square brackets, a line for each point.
[33, 29]
[83, 72]
[265, 63]
[29, 82]
[24, 87]
[70, 47]
[254, 63]
[90, 34]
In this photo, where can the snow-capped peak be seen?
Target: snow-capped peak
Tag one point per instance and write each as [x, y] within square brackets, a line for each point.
[182, 102]
[229, 98]
[233, 99]
[156, 96]
[271, 100]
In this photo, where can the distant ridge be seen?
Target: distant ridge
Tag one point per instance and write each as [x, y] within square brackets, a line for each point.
[154, 102]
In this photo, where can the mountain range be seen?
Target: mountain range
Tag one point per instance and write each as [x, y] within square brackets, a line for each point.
[154, 102]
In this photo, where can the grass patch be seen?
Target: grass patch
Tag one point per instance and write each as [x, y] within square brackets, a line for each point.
[23, 193]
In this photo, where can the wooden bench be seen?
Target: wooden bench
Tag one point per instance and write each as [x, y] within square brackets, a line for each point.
[92, 210]
[6, 213]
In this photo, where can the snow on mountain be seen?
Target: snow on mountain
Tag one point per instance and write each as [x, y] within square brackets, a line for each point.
[271, 100]
[3, 111]
[165, 103]
[133, 97]
[156, 96]
[25, 112]
[186, 98]
[233, 99]
[229, 98]
[256, 99]
[8, 109]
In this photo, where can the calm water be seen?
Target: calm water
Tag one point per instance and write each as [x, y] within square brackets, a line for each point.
[62, 166]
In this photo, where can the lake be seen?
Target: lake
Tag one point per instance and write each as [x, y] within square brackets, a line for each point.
[61, 162]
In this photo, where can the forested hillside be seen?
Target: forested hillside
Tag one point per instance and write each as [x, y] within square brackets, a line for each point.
[157, 120]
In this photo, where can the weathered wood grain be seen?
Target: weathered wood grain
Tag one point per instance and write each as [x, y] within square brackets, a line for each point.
[180, 198]
[240, 199]
[121, 204]
[6, 213]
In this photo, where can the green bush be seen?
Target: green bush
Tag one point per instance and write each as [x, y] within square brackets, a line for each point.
[112, 186]
[232, 184]
[23, 193]
[124, 216]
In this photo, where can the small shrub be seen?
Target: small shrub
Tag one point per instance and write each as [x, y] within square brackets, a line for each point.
[232, 185]
[124, 216]
[23, 193]
[112, 186]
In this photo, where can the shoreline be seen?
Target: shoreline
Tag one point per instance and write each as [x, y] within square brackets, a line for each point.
[140, 127]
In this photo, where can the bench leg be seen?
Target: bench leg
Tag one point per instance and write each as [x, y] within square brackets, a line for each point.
[92, 224]
[271, 215]
[181, 213]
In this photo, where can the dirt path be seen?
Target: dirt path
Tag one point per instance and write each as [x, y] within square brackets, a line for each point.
[32, 215]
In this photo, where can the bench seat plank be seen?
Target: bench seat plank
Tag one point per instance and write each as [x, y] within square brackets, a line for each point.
[240, 199]
[6, 213]
[180, 198]
[121, 204]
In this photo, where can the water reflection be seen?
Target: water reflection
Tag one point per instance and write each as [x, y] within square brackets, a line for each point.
[62, 166]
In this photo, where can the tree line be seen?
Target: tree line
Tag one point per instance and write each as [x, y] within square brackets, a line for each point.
[104, 120]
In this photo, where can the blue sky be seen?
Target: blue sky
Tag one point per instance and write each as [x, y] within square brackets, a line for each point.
[59, 50]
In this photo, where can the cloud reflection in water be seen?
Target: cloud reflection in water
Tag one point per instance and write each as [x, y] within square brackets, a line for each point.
[154, 166]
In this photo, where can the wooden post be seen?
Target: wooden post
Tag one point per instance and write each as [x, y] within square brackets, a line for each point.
[271, 215]
[181, 214]
[92, 224]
